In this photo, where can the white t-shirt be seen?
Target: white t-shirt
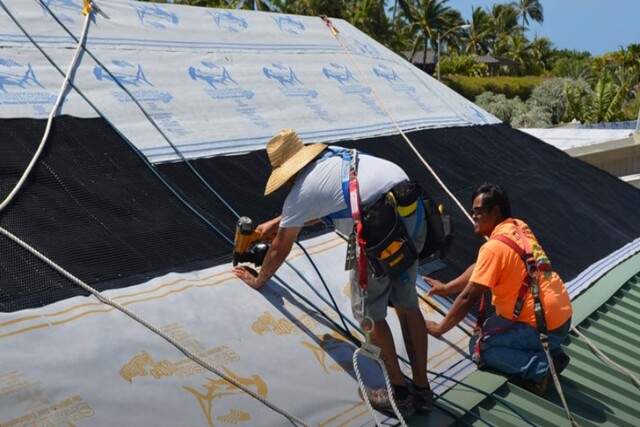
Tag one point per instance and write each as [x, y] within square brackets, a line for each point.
[317, 191]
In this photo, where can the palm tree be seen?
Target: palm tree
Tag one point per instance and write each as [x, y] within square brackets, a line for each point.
[480, 36]
[504, 18]
[425, 18]
[518, 48]
[529, 9]
[541, 54]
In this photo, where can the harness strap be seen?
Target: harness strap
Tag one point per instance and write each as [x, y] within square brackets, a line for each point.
[524, 287]
[530, 282]
[354, 204]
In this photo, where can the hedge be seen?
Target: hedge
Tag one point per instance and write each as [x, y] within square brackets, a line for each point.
[470, 87]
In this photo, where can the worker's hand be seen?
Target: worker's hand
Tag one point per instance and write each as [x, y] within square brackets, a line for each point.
[433, 328]
[246, 276]
[437, 287]
[269, 229]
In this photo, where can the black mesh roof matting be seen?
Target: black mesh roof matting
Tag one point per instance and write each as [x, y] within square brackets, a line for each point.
[95, 208]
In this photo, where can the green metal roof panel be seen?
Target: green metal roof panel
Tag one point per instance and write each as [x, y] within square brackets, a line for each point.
[608, 314]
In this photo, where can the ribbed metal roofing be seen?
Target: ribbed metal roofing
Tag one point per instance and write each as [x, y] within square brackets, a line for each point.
[608, 314]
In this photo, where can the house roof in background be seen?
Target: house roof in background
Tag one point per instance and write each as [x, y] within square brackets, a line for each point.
[495, 60]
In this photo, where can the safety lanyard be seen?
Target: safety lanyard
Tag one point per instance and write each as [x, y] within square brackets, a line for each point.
[354, 204]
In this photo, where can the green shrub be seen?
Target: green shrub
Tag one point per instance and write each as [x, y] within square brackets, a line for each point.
[500, 106]
[471, 87]
[535, 117]
[550, 96]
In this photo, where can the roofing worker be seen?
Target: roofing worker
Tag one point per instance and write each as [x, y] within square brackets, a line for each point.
[318, 190]
[510, 339]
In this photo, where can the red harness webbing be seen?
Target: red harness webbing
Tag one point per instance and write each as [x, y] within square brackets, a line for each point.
[354, 199]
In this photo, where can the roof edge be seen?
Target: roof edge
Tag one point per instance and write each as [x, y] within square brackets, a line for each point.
[603, 289]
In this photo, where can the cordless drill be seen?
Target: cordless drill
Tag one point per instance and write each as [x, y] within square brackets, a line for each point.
[248, 245]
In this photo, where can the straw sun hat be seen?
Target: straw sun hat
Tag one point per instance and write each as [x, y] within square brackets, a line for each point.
[288, 155]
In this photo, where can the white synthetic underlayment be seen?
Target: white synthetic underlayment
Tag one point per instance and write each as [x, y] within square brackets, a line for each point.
[216, 81]
[83, 362]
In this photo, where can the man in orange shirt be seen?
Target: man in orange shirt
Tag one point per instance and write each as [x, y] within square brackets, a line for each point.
[511, 340]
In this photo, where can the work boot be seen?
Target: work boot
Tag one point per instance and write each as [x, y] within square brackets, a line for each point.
[560, 361]
[422, 399]
[379, 399]
[538, 387]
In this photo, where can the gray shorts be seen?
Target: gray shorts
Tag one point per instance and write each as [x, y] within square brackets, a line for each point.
[401, 291]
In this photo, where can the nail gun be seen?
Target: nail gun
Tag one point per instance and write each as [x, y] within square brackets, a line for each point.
[248, 245]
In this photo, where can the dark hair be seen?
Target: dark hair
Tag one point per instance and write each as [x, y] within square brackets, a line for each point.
[493, 195]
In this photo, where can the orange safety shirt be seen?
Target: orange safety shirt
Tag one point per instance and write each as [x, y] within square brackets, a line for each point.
[502, 270]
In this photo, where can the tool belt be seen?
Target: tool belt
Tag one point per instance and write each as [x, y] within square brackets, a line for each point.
[390, 250]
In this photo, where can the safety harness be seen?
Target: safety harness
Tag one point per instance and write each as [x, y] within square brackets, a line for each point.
[351, 194]
[529, 283]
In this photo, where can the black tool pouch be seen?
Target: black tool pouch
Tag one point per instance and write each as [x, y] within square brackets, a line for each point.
[439, 230]
[389, 249]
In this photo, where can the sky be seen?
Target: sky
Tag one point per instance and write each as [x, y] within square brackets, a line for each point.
[595, 26]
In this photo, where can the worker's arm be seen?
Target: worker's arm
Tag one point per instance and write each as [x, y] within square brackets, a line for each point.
[453, 287]
[460, 308]
[270, 228]
[278, 252]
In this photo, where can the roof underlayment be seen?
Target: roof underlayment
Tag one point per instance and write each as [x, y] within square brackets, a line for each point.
[156, 150]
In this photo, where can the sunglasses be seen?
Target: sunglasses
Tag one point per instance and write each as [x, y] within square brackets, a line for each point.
[477, 210]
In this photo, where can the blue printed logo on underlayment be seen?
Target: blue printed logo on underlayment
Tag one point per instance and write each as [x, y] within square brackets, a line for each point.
[341, 74]
[290, 84]
[64, 10]
[13, 73]
[126, 74]
[19, 85]
[155, 16]
[219, 79]
[392, 78]
[289, 25]
[478, 114]
[366, 49]
[398, 85]
[230, 22]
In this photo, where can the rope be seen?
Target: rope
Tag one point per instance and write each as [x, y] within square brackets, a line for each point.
[556, 382]
[182, 158]
[373, 352]
[335, 33]
[605, 358]
[133, 148]
[63, 89]
[144, 112]
[106, 300]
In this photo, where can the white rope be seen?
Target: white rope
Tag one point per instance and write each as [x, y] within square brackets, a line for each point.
[65, 83]
[395, 124]
[106, 300]
[437, 178]
[605, 358]
[373, 352]
[556, 383]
